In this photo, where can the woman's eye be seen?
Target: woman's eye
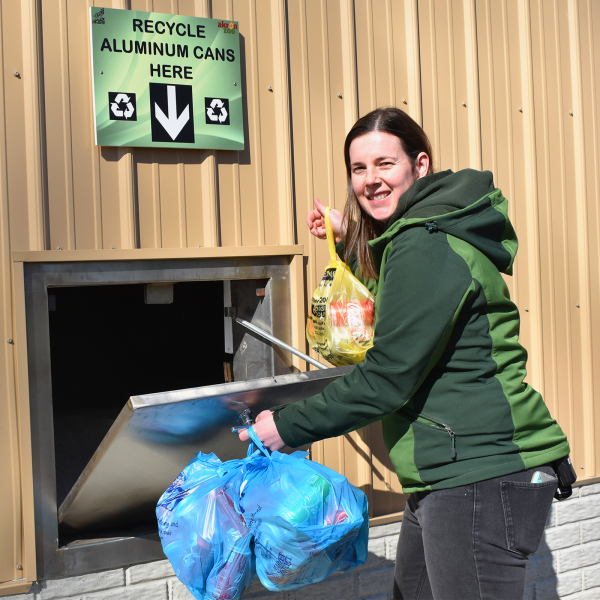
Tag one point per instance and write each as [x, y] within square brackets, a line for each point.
[386, 164]
[358, 170]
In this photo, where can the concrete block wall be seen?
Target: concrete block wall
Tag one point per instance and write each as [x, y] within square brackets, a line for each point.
[567, 563]
[565, 567]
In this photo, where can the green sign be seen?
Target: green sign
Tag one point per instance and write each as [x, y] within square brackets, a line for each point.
[166, 80]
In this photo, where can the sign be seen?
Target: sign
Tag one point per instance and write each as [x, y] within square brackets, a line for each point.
[165, 80]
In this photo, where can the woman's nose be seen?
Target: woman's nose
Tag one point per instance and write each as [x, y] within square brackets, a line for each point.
[372, 176]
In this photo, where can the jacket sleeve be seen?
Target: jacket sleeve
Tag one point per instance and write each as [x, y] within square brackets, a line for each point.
[423, 287]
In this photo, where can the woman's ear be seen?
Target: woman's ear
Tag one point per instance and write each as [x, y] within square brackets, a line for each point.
[422, 165]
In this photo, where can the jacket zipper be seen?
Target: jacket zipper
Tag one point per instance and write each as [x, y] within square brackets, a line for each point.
[431, 423]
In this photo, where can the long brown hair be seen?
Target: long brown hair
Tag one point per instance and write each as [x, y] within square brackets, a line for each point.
[361, 226]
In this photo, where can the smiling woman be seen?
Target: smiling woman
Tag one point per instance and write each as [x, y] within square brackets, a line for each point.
[472, 443]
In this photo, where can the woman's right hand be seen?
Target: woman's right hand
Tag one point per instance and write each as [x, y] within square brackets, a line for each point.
[316, 222]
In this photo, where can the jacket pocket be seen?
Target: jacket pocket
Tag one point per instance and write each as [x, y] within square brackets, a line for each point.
[526, 507]
[415, 417]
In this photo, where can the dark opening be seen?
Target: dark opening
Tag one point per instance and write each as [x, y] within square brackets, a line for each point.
[106, 345]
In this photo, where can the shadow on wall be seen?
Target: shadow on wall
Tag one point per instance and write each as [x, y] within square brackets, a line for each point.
[373, 580]
[541, 580]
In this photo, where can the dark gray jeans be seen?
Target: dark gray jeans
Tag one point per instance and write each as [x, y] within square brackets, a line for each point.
[472, 542]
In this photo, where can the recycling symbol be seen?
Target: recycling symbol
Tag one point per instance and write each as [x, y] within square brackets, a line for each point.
[115, 106]
[122, 106]
[217, 111]
[222, 114]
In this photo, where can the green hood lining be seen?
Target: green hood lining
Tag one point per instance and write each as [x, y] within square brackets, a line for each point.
[442, 193]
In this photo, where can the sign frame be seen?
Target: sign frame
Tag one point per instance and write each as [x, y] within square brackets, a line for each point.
[165, 81]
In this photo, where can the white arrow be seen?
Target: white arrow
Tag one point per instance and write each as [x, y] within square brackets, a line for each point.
[172, 124]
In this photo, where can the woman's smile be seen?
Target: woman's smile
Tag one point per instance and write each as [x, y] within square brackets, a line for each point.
[378, 197]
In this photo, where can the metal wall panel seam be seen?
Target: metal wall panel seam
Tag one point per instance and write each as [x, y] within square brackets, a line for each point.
[411, 36]
[64, 196]
[97, 171]
[255, 180]
[355, 448]
[328, 98]
[126, 194]
[181, 195]
[282, 113]
[483, 8]
[453, 101]
[565, 160]
[172, 208]
[300, 124]
[57, 100]
[208, 166]
[302, 137]
[349, 65]
[541, 124]
[564, 228]
[10, 515]
[536, 365]
[429, 97]
[383, 53]
[210, 232]
[83, 153]
[29, 560]
[512, 283]
[255, 222]
[582, 243]
[472, 77]
[297, 311]
[391, 72]
[594, 133]
[148, 198]
[229, 209]
[365, 67]
[33, 109]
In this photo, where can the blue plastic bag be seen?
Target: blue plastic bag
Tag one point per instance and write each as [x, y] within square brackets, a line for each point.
[307, 520]
[203, 532]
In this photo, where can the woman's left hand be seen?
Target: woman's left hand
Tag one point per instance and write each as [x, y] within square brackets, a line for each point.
[266, 431]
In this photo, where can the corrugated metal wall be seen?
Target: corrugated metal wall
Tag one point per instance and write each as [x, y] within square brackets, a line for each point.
[505, 85]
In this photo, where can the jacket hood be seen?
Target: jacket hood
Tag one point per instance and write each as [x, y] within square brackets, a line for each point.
[465, 205]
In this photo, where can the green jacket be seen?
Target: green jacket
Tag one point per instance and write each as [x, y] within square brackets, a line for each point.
[445, 373]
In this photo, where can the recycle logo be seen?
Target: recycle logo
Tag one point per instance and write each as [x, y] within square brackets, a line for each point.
[217, 111]
[214, 105]
[122, 106]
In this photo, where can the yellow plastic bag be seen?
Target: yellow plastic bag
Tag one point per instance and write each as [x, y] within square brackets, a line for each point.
[341, 323]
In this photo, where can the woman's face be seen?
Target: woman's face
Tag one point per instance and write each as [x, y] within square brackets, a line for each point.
[381, 172]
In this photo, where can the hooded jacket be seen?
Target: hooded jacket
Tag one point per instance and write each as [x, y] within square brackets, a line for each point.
[446, 370]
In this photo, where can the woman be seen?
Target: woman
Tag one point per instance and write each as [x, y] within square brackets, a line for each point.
[445, 373]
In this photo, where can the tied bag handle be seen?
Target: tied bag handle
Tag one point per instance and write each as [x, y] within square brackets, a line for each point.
[256, 440]
[330, 238]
